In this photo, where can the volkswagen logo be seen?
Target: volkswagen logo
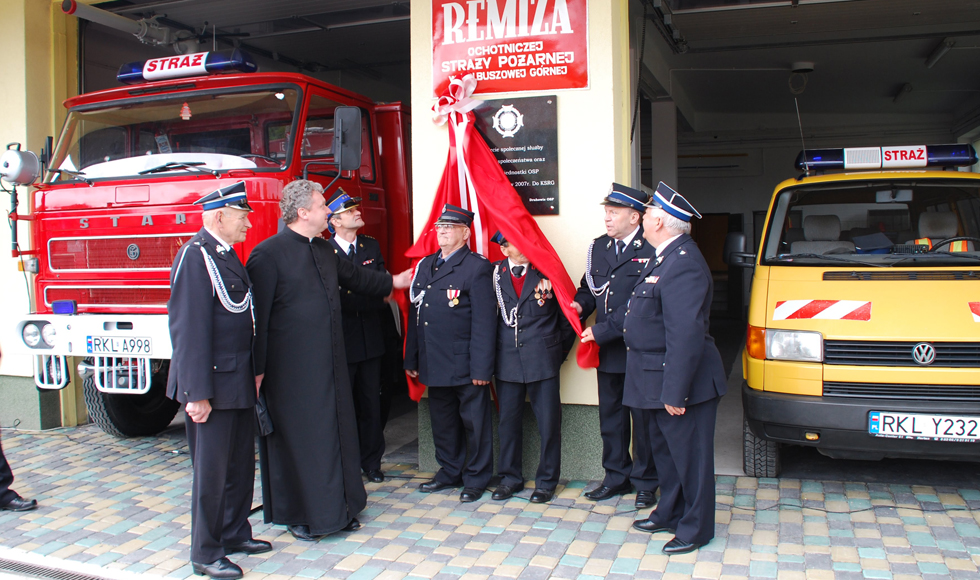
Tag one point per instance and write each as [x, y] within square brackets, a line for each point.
[133, 251]
[923, 353]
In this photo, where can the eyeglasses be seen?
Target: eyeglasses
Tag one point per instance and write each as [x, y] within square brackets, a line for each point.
[445, 227]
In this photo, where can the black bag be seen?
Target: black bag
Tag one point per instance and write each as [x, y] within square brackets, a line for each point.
[263, 419]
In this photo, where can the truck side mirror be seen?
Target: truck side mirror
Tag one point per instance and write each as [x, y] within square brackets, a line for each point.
[734, 253]
[347, 138]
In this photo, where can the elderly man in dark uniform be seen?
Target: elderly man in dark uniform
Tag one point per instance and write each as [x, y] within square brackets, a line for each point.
[363, 329]
[211, 373]
[674, 373]
[613, 267]
[533, 339]
[450, 348]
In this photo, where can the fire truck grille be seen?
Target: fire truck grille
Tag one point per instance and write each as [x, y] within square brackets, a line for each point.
[899, 354]
[115, 253]
[96, 296]
[962, 393]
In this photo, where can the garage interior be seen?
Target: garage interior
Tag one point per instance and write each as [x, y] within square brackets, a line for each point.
[727, 92]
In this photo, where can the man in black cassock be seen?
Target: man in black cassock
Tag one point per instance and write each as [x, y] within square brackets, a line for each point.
[311, 475]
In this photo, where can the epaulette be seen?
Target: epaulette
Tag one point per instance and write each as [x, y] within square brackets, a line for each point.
[365, 236]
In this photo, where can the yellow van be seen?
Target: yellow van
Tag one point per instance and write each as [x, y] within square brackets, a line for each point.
[864, 319]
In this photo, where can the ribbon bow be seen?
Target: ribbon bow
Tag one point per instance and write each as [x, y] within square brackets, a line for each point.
[455, 99]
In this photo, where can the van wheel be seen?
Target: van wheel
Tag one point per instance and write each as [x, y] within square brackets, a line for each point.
[132, 415]
[760, 458]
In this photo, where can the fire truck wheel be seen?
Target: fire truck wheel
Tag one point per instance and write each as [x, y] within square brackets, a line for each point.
[760, 458]
[132, 415]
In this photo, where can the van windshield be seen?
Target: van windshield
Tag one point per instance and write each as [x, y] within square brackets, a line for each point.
[876, 223]
[165, 134]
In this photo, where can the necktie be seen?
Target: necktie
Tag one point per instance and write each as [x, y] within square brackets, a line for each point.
[620, 247]
[351, 252]
[518, 271]
[440, 261]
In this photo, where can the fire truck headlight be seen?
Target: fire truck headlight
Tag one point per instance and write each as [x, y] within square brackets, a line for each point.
[794, 345]
[31, 335]
[49, 334]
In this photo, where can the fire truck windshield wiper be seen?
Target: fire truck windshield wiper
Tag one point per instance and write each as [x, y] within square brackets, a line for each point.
[936, 256]
[828, 257]
[189, 165]
[75, 174]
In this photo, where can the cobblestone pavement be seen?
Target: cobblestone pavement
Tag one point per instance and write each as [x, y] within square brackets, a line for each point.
[122, 507]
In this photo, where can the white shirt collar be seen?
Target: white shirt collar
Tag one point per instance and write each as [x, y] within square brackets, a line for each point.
[511, 264]
[663, 245]
[344, 244]
[223, 243]
[630, 237]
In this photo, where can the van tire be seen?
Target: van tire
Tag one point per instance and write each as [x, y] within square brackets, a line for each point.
[760, 458]
[132, 415]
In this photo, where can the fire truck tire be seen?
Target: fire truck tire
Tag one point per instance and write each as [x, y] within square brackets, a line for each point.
[760, 458]
[132, 415]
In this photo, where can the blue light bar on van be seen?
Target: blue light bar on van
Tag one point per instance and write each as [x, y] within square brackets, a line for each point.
[900, 157]
[187, 65]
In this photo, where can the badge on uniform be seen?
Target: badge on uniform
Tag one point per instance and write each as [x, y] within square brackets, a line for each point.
[682, 252]
[453, 297]
[367, 262]
[542, 296]
[659, 259]
[637, 243]
[651, 279]
[641, 260]
[221, 249]
[608, 244]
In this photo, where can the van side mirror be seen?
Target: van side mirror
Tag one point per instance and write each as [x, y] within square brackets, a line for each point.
[734, 253]
[347, 138]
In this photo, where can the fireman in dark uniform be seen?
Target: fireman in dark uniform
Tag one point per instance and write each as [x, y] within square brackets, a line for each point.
[674, 373]
[533, 339]
[449, 346]
[613, 266]
[211, 374]
[363, 329]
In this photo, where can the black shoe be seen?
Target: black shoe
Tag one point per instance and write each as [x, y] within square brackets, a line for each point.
[506, 491]
[470, 494]
[605, 492]
[302, 532]
[19, 504]
[542, 495]
[644, 499]
[435, 485]
[679, 546]
[375, 476]
[250, 546]
[222, 569]
[648, 526]
[352, 526]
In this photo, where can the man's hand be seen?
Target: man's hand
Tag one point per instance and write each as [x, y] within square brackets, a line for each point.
[412, 373]
[198, 411]
[577, 307]
[480, 383]
[258, 383]
[403, 280]
[587, 334]
[675, 410]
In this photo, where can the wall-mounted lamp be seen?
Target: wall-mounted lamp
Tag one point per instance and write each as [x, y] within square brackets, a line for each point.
[905, 89]
[940, 51]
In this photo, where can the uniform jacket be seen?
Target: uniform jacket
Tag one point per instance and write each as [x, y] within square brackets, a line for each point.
[452, 345]
[622, 274]
[536, 348]
[361, 313]
[671, 358]
[212, 347]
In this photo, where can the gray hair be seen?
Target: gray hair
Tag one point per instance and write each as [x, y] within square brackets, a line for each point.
[296, 195]
[675, 225]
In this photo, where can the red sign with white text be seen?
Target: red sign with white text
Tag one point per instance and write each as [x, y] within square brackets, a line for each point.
[511, 45]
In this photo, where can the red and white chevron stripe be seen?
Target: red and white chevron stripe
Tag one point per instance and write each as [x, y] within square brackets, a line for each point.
[822, 310]
[975, 309]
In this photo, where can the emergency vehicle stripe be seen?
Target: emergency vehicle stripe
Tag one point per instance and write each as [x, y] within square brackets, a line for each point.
[975, 309]
[822, 310]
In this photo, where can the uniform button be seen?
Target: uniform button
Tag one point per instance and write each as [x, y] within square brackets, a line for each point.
[613, 275]
[610, 292]
[426, 324]
[215, 368]
[520, 316]
[627, 348]
[430, 286]
[521, 330]
[520, 344]
[426, 304]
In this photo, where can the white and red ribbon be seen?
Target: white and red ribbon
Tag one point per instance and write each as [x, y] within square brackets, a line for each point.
[822, 310]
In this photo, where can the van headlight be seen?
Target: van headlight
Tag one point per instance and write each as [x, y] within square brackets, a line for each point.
[31, 335]
[48, 334]
[794, 345]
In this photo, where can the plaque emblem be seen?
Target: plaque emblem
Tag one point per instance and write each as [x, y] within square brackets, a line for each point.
[508, 121]
[133, 251]
[924, 353]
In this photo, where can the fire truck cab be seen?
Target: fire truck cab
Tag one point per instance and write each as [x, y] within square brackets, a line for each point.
[865, 309]
[116, 203]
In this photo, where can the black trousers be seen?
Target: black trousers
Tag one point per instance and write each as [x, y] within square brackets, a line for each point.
[683, 448]
[460, 419]
[223, 455]
[546, 404]
[7, 495]
[365, 380]
[617, 426]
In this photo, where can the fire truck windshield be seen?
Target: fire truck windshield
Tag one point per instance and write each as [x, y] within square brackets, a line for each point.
[145, 138]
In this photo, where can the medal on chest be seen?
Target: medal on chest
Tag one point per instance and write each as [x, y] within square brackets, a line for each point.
[453, 296]
[651, 279]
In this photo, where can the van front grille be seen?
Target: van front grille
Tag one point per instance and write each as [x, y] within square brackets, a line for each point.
[958, 393]
[899, 354]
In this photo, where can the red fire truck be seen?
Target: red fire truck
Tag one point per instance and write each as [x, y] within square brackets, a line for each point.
[115, 205]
